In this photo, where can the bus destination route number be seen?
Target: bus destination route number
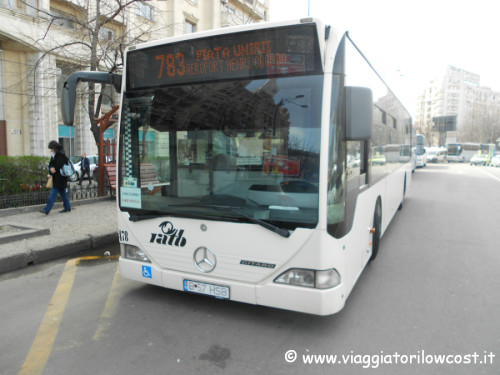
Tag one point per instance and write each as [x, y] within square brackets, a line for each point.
[266, 53]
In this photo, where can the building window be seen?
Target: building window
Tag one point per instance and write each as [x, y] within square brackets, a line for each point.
[107, 96]
[67, 138]
[106, 34]
[227, 9]
[63, 19]
[144, 10]
[189, 27]
[9, 4]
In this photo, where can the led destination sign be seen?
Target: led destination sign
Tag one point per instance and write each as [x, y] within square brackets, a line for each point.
[263, 53]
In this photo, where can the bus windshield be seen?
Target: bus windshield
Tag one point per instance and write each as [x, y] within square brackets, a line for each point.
[454, 150]
[217, 150]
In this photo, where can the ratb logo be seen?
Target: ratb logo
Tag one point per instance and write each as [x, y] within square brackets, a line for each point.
[169, 235]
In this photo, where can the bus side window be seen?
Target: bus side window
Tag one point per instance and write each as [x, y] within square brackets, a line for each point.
[353, 163]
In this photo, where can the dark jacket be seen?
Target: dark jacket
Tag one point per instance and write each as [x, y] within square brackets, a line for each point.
[85, 165]
[58, 162]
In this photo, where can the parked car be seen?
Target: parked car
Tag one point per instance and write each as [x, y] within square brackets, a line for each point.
[379, 160]
[436, 155]
[76, 160]
[480, 159]
[495, 161]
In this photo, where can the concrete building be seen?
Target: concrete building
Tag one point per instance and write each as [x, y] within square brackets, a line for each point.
[459, 93]
[43, 41]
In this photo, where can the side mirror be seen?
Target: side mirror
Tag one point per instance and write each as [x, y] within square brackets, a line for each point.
[68, 94]
[359, 113]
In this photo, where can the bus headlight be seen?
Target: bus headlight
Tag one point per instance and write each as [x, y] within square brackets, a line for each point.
[327, 278]
[310, 278]
[134, 253]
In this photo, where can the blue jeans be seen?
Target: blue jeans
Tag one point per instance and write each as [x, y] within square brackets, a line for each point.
[53, 196]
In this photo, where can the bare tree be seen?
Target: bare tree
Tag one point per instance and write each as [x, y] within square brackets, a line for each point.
[98, 47]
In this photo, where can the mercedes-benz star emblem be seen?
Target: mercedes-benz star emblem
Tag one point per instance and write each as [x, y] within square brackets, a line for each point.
[204, 259]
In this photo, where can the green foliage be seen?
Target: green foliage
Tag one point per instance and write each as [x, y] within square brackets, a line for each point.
[20, 174]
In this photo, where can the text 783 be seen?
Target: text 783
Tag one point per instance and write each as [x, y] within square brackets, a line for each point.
[174, 64]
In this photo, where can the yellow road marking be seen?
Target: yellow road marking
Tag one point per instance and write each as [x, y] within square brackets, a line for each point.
[42, 345]
[41, 348]
[110, 307]
[96, 257]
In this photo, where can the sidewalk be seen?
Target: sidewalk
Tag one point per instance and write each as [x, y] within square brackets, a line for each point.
[91, 224]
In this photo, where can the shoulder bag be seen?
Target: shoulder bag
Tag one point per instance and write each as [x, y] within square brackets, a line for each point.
[67, 170]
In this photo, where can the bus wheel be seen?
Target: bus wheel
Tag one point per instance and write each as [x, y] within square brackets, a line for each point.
[377, 227]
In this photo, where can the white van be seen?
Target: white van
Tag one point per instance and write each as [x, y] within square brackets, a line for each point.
[436, 154]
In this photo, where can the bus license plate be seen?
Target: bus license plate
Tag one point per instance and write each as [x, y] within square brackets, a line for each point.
[217, 291]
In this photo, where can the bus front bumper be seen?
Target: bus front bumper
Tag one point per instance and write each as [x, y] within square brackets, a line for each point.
[300, 299]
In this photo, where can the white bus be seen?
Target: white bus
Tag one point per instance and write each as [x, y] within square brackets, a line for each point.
[421, 150]
[245, 166]
[455, 153]
[470, 149]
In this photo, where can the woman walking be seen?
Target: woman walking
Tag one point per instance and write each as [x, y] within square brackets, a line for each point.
[57, 161]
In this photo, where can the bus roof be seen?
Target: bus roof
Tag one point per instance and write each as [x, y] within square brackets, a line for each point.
[233, 29]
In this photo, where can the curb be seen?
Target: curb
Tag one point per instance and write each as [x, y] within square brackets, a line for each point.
[30, 257]
[25, 232]
[13, 262]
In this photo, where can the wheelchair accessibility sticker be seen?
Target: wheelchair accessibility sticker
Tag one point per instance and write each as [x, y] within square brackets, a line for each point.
[146, 272]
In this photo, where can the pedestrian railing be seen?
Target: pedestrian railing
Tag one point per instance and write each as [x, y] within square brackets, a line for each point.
[75, 193]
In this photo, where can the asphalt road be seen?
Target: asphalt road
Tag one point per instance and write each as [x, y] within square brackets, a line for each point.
[434, 289]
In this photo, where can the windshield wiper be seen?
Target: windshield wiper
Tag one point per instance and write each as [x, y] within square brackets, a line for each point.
[144, 216]
[193, 215]
[274, 228]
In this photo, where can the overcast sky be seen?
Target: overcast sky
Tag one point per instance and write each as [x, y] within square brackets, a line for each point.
[411, 42]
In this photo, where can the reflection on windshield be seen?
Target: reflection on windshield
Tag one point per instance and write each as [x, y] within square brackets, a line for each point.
[249, 145]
